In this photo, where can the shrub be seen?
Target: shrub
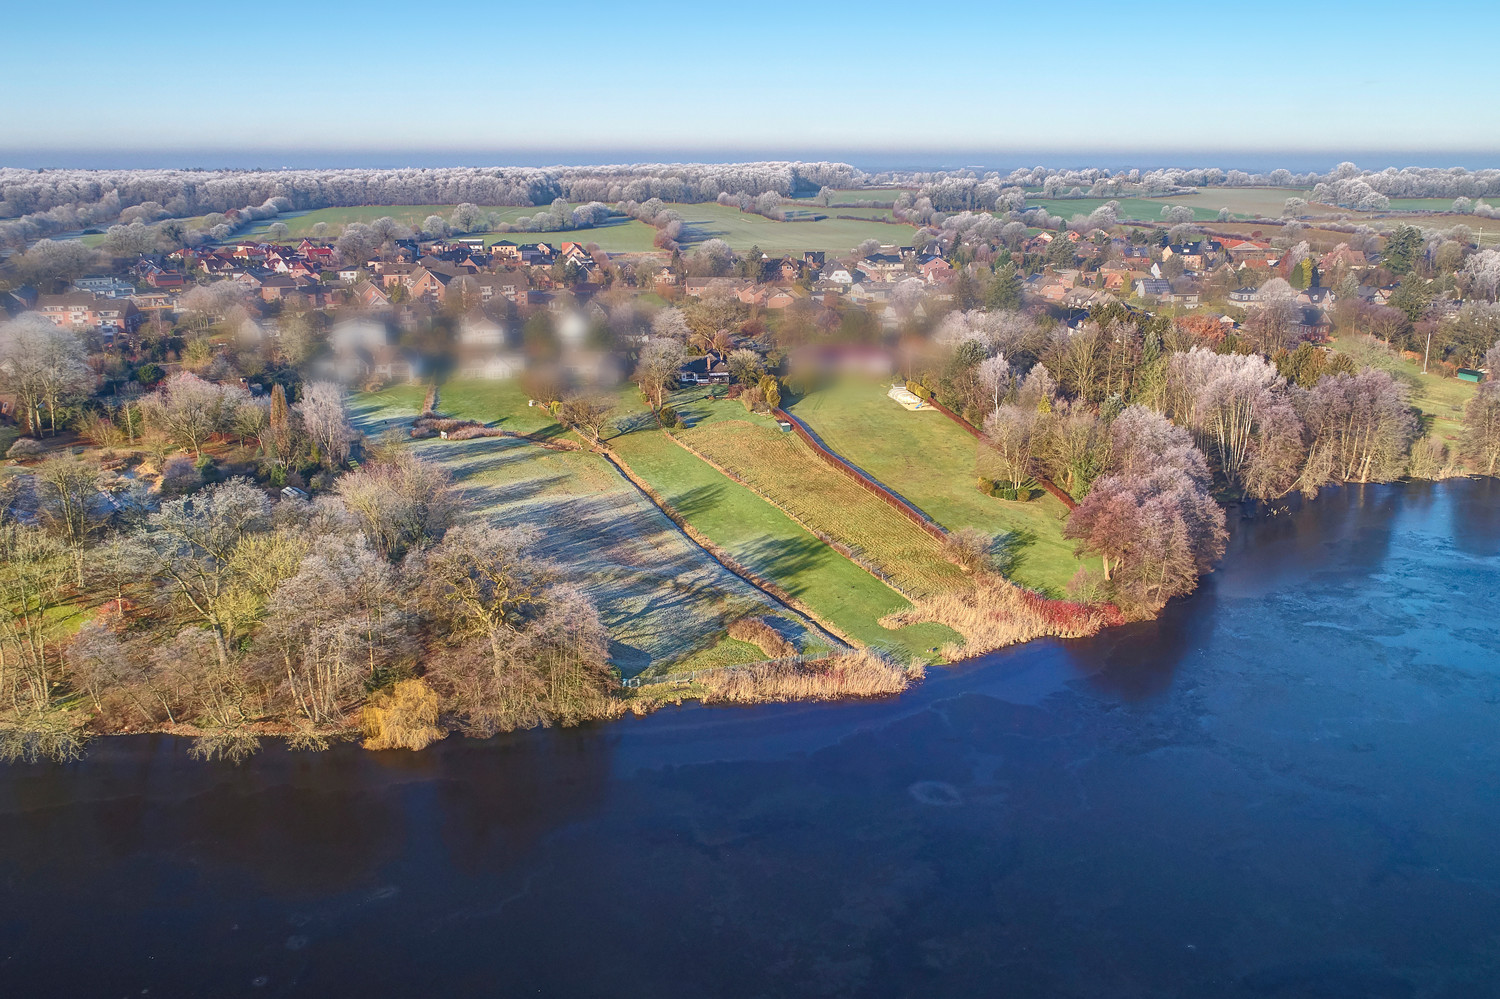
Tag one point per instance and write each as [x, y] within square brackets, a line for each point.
[970, 548]
[1028, 490]
[179, 475]
[918, 389]
[404, 717]
[669, 417]
[25, 447]
[149, 374]
[1088, 586]
[101, 432]
[757, 631]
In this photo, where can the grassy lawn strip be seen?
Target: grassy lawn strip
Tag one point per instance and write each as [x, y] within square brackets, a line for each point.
[771, 544]
[929, 460]
[784, 469]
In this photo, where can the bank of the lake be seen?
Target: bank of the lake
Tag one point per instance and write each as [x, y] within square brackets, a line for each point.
[1282, 787]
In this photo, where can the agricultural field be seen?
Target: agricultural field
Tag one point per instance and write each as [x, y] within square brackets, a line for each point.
[786, 470]
[742, 230]
[931, 461]
[769, 543]
[1131, 209]
[661, 597]
[702, 222]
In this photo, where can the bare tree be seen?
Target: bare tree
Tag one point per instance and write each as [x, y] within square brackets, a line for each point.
[336, 625]
[671, 324]
[1155, 533]
[658, 367]
[1481, 440]
[190, 545]
[325, 418]
[1008, 451]
[402, 502]
[191, 410]
[995, 374]
[588, 415]
[1360, 428]
[41, 365]
[1216, 395]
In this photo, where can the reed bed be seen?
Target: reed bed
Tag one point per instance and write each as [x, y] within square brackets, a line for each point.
[994, 613]
[850, 674]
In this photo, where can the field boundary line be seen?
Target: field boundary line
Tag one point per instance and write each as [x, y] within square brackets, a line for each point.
[817, 534]
[780, 596]
[902, 505]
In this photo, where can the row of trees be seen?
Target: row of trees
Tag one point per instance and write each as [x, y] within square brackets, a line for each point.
[1144, 423]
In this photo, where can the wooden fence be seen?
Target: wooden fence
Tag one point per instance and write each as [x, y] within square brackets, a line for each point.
[908, 511]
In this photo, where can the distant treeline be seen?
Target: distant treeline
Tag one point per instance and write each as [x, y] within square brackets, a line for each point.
[37, 203]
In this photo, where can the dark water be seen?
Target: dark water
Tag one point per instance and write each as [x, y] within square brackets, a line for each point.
[1285, 787]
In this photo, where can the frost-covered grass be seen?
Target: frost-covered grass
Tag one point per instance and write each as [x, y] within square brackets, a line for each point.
[660, 596]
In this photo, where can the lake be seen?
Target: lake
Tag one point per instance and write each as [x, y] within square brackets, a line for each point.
[1287, 786]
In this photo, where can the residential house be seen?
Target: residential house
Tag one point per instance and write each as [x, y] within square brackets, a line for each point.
[277, 286]
[169, 280]
[838, 274]
[883, 266]
[1192, 255]
[428, 284]
[705, 370]
[1158, 288]
[105, 286]
[783, 298]
[370, 296]
[725, 286]
[936, 271]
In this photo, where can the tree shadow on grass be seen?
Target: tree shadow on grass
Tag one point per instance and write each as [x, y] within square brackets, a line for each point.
[484, 497]
[698, 500]
[1011, 549]
[628, 658]
[785, 560]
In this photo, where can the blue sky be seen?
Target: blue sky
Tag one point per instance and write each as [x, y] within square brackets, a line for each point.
[176, 77]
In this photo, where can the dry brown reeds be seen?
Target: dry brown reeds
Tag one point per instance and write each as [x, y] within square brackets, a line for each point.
[994, 613]
[757, 631]
[850, 674]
